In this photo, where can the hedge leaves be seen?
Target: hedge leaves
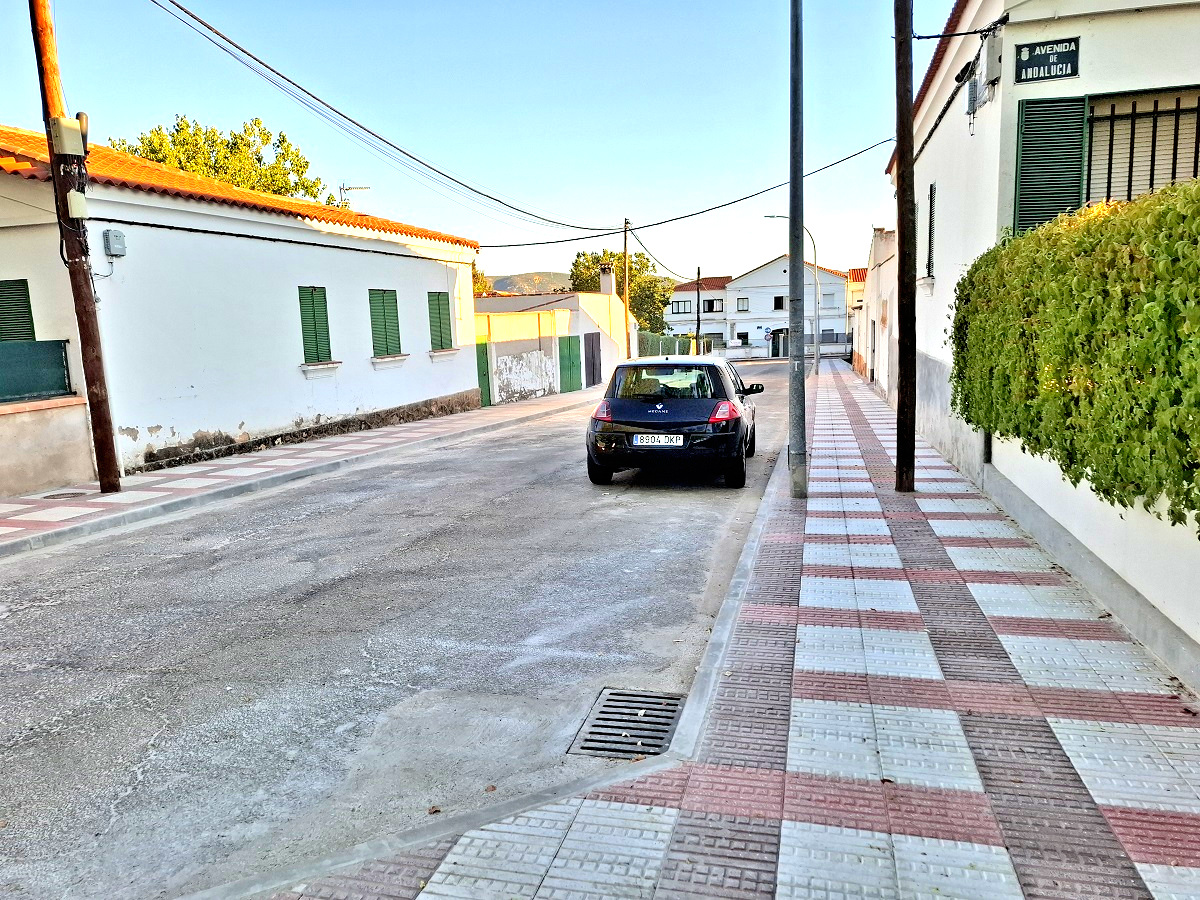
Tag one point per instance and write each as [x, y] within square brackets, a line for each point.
[1081, 339]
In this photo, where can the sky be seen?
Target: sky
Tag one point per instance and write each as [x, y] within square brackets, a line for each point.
[585, 113]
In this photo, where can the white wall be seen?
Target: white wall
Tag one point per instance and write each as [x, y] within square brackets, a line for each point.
[202, 332]
[1160, 560]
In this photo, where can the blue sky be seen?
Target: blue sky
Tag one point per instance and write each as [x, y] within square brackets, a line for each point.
[587, 112]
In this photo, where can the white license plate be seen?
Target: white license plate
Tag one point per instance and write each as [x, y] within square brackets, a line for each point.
[658, 440]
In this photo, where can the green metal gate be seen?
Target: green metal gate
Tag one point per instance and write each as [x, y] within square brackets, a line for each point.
[570, 375]
[485, 375]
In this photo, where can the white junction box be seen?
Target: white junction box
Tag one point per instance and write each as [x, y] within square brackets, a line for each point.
[67, 136]
[76, 205]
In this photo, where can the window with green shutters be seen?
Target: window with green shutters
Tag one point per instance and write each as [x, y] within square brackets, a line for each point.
[385, 323]
[440, 334]
[314, 325]
[1050, 160]
[16, 315]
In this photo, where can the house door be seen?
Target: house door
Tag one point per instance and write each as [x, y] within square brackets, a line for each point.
[485, 376]
[871, 361]
[568, 364]
[591, 357]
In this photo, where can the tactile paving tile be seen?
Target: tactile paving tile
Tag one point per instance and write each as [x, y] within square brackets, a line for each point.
[1034, 600]
[924, 747]
[833, 738]
[1171, 882]
[724, 857]
[908, 654]
[610, 850]
[825, 649]
[945, 528]
[507, 859]
[929, 867]
[821, 861]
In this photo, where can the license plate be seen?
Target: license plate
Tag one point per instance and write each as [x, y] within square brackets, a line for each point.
[658, 440]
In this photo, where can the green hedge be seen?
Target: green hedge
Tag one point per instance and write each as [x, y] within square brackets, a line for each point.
[1082, 339]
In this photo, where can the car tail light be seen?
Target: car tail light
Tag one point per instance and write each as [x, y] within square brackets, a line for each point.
[724, 412]
[603, 412]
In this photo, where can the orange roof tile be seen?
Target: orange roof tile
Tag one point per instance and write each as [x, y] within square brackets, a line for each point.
[709, 283]
[24, 153]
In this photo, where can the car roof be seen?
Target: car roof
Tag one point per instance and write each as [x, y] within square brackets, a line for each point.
[680, 358]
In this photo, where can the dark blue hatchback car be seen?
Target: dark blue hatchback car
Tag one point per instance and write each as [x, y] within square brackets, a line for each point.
[677, 411]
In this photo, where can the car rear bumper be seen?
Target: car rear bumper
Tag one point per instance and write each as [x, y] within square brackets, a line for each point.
[613, 451]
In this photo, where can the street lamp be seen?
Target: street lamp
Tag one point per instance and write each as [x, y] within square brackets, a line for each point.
[816, 296]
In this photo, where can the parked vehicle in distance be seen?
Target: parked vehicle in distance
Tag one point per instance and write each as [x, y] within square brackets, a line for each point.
[676, 411]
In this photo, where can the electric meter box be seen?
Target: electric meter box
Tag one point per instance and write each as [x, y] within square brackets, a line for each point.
[67, 136]
[114, 242]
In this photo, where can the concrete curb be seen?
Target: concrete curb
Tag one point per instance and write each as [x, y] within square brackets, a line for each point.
[683, 747]
[181, 504]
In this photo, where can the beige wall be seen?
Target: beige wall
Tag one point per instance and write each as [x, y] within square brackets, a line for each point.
[46, 445]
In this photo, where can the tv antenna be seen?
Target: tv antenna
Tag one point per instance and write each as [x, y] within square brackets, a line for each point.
[343, 190]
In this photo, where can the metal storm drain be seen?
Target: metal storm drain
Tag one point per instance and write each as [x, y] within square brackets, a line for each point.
[627, 724]
[65, 495]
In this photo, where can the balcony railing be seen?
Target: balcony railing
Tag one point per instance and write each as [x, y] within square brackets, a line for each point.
[33, 370]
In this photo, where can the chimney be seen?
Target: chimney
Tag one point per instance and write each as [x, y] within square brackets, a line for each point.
[608, 283]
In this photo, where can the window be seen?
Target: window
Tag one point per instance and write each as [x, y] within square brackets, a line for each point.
[713, 304]
[16, 315]
[440, 335]
[385, 323]
[679, 307]
[744, 337]
[1050, 144]
[666, 383]
[743, 304]
[314, 325]
[929, 234]
[779, 303]
[1141, 142]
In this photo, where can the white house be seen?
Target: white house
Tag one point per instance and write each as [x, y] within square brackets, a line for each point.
[599, 334]
[1065, 103]
[226, 316]
[748, 314]
[874, 354]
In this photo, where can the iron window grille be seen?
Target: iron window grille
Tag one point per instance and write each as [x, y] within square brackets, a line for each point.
[1140, 143]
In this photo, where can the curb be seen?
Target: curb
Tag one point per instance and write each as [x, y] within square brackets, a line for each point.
[180, 504]
[683, 746]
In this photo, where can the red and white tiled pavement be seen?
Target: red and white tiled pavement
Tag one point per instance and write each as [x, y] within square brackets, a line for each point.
[916, 702]
[55, 512]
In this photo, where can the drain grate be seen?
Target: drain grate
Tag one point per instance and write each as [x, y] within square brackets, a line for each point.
[626, 724]
[65, 495]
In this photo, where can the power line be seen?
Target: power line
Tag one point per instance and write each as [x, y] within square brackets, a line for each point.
[690, 215]
[299, 93]
[653, 257]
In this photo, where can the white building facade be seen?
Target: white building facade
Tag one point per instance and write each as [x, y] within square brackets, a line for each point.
[228, 316]
[748, 314]
[1066, 103]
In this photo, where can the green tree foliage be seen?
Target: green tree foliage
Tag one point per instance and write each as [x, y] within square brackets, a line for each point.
[251, 158]
[482, 283]
[1082, 340]
[649, 292]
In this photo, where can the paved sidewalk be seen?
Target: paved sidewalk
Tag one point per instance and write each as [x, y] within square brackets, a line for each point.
[48, 517]
[914, 702]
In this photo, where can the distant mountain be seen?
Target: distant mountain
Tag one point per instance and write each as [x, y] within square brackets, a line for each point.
[531, 282]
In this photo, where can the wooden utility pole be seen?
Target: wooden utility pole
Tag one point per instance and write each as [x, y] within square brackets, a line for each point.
[906, 238]
[69, 174]
[697, 310]
[625, 297]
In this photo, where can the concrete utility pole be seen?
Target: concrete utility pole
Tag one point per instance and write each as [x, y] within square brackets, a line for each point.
[906, 239]
[69, 174]
[625, 292]
[697, 310]
[797, 449]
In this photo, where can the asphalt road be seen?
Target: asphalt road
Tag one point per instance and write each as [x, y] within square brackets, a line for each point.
[246, 687]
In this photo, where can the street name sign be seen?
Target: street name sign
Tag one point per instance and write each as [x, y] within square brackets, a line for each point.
[1048, 60]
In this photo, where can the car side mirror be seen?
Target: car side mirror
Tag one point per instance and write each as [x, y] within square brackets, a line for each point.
[755, 388]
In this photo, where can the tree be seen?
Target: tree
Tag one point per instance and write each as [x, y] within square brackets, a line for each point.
[649, 292]
[239, 158]
[482, 283]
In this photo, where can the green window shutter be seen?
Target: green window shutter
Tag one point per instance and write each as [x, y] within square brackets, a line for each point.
[314, 324]
[16, 314]
[441, 333]
[385, 323]
[1050, 160]
[930, 235]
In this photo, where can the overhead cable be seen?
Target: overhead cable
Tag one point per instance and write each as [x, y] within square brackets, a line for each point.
[315, 104]
[699, 212]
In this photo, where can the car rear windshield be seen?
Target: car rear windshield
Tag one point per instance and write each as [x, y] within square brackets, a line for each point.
[666, 382]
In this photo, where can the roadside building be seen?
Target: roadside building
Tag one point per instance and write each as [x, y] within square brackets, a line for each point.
[599, 333]
[856, 283]
[227, 316]
[1056, 106]
[747, 316]
[875, 323]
